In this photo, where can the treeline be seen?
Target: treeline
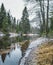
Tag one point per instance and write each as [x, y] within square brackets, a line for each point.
[10, 24]
[46, 18]
[7, 22]
[42, 10]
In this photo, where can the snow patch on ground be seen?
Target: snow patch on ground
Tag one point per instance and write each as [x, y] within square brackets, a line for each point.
[13, 34]
[37, 42]
[31, 46]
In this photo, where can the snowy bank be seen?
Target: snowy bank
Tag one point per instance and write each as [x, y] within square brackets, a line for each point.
[32, 45]
[13, 35]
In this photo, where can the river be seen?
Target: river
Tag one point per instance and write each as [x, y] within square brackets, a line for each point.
[11, 51]
[11, 58]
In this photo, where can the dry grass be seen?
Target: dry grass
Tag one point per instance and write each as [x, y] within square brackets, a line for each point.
[45, 54]
[24, 45]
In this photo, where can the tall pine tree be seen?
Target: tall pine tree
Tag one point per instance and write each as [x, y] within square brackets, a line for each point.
[14, 24]
[2, 14]
[24, 24]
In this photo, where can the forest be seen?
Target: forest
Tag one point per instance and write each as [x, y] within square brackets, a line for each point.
[43, 9]
[26, 39]
[8, 23]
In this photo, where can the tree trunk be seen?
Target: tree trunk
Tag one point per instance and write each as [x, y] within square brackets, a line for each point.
[43, 17]
[47, 18]
[42, 13]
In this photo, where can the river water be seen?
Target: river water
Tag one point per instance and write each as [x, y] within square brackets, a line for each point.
[11, 51]
[12, 58]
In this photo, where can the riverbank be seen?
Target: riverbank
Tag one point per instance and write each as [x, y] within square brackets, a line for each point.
[30, 54]
[41, 54]
[33, 44]
[11, 34]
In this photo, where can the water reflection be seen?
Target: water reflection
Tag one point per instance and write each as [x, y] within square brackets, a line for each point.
[12, 58]
[11, 51]
[22, 38]
[4, 42]
[3, 56]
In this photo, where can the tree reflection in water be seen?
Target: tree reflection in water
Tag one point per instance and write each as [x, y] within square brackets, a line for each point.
[4, 42]
[14, 52]
[3, 56]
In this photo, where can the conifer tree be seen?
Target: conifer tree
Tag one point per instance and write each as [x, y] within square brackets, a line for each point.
[14, 24]
[24, 24]
[2, 14]
[17, 27]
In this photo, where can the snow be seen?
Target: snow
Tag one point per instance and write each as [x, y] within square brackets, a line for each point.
[37, 42]
[1, 34]
[31, 46]
[13, 34]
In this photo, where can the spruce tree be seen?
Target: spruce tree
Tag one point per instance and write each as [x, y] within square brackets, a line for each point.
[24, 24]
[17, 27]
[5, 25]
[9, 21]
[2, 15]
[14, 24]
[9, 18]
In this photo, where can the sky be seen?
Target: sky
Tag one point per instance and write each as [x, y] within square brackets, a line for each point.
[15, 6]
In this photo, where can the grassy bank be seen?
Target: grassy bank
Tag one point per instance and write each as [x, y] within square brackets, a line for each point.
[45, 54]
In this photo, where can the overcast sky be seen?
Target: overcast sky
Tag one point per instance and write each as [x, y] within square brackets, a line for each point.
[15, 6]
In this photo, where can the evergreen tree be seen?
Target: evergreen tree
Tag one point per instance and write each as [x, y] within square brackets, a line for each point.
[17, 27]
[14, 24]
[9, 18]
[2, 14]
[24, 24]
[51, 26]
[5, 25]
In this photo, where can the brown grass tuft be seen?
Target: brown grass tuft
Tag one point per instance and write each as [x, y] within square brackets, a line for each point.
[45, 54]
